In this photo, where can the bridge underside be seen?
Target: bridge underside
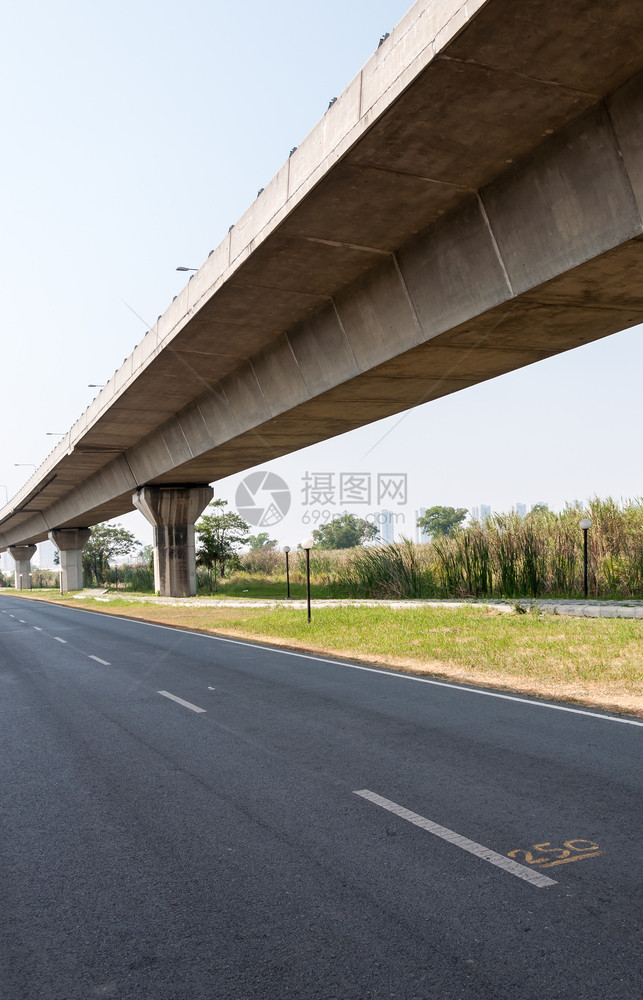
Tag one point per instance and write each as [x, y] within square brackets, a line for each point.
[488, 217]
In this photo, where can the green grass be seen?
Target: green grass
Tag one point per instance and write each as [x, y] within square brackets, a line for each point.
[565, 649]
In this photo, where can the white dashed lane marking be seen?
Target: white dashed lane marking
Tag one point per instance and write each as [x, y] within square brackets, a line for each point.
[520, 871]
[98, 659]
[186, 704]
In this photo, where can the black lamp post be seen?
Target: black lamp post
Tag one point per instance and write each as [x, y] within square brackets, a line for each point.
[307, 544]
[585, 524]
[287, 550]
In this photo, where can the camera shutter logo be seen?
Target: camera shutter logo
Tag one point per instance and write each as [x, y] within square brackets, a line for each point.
[263, 499]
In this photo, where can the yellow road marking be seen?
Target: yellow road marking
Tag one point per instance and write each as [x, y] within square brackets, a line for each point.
[566, 861]
[570, 852]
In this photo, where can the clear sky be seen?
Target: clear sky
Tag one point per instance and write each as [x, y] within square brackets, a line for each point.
[135, 134]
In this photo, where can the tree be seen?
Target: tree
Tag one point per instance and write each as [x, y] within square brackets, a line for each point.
[146, 555]
[219, 534]
[105, 541]
[438, 522]
[344, 532]
[261, 541]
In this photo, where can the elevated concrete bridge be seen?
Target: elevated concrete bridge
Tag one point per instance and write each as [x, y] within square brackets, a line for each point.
[471, 203]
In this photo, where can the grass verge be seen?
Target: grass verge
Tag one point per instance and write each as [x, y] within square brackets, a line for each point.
[593, 662]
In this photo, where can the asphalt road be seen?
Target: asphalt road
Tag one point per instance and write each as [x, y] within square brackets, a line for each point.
[156, 852]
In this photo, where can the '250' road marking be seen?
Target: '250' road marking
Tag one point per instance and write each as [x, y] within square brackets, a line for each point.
[572, 850]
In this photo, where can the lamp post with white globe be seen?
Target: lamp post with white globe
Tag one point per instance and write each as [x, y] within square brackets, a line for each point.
[585, 524]
[287, 550]
[307, 545]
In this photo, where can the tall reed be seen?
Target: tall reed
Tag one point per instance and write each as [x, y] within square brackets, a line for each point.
[538, 555]
[399, 569]
[542, 553]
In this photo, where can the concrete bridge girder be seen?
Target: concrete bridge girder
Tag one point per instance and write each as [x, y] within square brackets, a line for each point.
[543, 259]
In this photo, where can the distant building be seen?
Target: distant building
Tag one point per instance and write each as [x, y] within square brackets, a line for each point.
[387, 527]
[45, 555]
[482, 512]
[421, 536]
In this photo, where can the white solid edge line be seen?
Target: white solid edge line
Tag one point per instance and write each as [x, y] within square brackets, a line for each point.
[374, 670]
[187, 704]
[98, 660]
[499, 860]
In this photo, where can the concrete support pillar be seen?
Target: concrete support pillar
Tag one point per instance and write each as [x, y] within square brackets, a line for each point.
[173, 511]
[69, 542]
[22, 555]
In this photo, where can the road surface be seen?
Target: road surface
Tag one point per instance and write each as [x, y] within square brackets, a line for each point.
[189, 817]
